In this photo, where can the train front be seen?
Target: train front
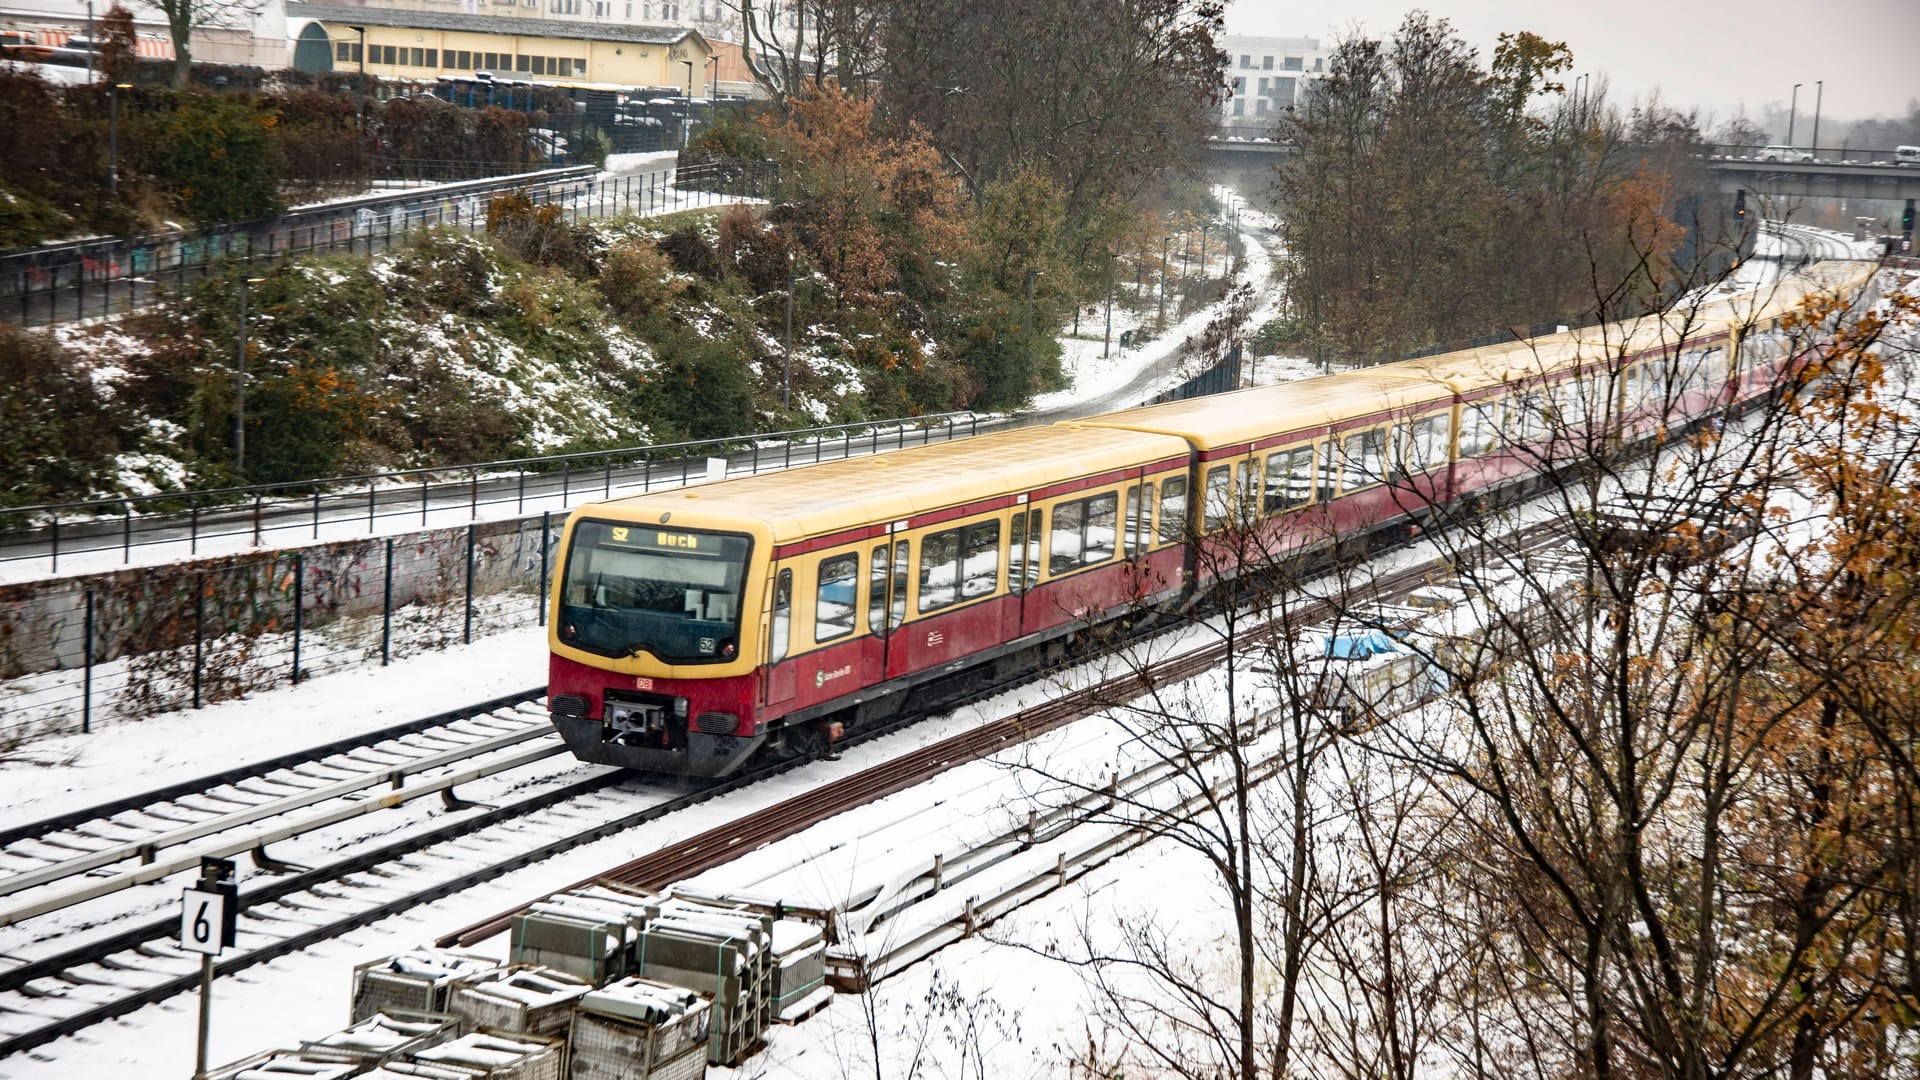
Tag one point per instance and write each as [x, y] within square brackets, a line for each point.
[653, 632]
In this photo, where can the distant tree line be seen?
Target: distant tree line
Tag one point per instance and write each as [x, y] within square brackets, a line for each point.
[1435, 200]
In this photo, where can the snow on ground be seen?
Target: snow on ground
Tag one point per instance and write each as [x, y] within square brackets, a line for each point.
[1027, 1015]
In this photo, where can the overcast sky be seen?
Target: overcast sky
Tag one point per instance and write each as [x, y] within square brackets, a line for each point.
[1712, 54]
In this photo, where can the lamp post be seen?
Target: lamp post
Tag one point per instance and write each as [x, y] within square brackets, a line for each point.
[1793, 107]
[360, 87]
[113, 135]
[686, 125]
[240, 386]
[1819, 91]
[1165, 242]
[1106, 343]
[786, 363]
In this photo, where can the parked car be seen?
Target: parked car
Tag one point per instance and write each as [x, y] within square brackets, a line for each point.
[1783, 153]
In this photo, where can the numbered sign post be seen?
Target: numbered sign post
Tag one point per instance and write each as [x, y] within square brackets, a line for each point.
[209, 914]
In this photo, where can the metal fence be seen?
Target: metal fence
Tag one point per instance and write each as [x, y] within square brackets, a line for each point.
[338, 507]
[135, 644]
[1825, 155]
[69, 282]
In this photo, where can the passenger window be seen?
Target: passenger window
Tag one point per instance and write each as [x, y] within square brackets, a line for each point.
[1173, 510]
[1017, 552]
[939, 569]
[877, 591]
[834, 604]
[1066, 543]
[1363, 459]
[1249, 490]
[1103, 526]
[980, 565]
[782, 616]
[1133, 521]
[1479, 427]
[1144, 527]
[1289, 479]
[1219, 491]
[1429, 443]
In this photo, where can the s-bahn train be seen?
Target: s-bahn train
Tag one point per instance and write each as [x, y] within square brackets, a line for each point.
[692, 628]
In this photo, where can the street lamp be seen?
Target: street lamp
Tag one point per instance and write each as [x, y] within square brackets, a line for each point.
[360, 89]
[1107, 343]
[1792, 108]
[113, 135]
[686, 125]
[240, 385]
[1819, 91]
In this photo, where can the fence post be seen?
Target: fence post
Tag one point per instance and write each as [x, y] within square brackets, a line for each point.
[370, 492]
[423, 502]
[56, 543]
[473, 496]
[199, 616]
[540, 599]
[299, 602]
[86, 665]
[466, 636]
[386, 609]
[316, 513]
[193, 529]
[126, 532]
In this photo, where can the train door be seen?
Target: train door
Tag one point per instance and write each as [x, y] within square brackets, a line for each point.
[887, 605]
[778, 672]
[1024, 533]
[881, 620]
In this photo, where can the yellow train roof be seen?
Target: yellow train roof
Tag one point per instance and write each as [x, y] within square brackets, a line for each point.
[817, 500]
[1243, 416]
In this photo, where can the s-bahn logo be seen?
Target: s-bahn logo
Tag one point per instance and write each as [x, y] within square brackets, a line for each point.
[822, 678]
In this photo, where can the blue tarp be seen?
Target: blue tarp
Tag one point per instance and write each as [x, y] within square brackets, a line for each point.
[1361, 646]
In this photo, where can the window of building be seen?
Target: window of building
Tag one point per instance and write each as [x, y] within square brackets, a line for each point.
[834, 602]
[1319, 63]
[1239, 106]
[1246, 61]
[523, 63]
[1294, 63]
[464, 59]
[433, 58]
[417, 57]
[391, 54]
[1266, 63]
[342, 50]
[1260, 106]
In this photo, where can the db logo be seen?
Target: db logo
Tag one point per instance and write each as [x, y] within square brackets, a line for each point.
[643, 683]
[935, 637]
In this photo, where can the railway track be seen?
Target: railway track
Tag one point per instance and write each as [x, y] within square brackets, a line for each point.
[48, 997]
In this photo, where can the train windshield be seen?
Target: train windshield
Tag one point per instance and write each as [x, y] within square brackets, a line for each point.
[673, 593]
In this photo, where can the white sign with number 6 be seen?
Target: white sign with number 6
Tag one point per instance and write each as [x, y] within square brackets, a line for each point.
[202, 916]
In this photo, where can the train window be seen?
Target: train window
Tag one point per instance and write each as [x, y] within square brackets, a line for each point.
[939, 569]
[1363, 459]
[1067, 541]
[1479, 426]
[1103, 528]
[1173, 510]
[980, 560]
[1289, 479]
[836, 603]
[1023, 550]
[1219, 496]
[782, 617]
[1427, 448]
[897, 613]
[1030, 575]
[877, 573]
[1249, 488]
[1133, 520]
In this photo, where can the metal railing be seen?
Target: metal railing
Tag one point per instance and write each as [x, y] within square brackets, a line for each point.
[1821, 155]
[69, 282]
[285, 514]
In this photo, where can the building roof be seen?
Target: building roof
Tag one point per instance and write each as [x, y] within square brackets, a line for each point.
[490, 24]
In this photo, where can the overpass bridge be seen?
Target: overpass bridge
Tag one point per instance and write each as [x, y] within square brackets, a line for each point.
[1841, 173]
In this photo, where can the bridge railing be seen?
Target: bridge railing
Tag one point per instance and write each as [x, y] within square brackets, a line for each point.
[1826, 155]
[289, 514]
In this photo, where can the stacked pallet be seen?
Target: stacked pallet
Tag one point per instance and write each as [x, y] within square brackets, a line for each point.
[724, 953]
[588, 934]
[284, 1065]
[381, 1038]
[531, 1001]
[638, 1029]
[498, 1055]
[421, 981]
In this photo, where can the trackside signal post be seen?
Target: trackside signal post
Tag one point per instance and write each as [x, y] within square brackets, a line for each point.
[209, 911]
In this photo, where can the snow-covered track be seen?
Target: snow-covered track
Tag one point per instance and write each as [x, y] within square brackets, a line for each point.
[164, 831]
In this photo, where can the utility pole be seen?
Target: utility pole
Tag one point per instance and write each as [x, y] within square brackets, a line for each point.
[786, 364]
[1793, 108]
[1107, 343]
[240, 387]
[1819, 91]
[1165, 241]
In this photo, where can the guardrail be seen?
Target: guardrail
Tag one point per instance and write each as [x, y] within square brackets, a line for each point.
[88, 279]
[292, 512]
[1820, 155]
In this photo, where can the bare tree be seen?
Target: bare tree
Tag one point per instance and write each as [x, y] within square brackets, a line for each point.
[186, 16]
